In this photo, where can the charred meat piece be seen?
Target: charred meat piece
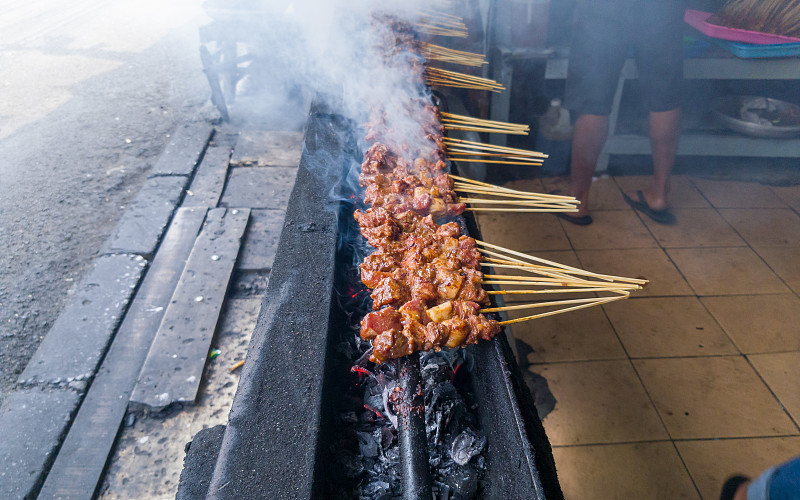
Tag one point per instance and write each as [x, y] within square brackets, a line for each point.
[396, 333]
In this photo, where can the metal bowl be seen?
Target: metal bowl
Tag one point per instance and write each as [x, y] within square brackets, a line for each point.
[786, 117]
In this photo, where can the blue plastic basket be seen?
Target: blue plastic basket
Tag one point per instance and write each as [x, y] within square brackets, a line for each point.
[751, 51]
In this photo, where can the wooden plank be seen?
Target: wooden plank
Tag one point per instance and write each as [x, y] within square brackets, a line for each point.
[174, 365]
[209, 179]
[80, 462]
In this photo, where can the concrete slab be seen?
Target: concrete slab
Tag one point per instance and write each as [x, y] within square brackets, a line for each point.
[184, 150]
[149, 453]
[32, 423]
[268, 148]
[76, 343]
[145, 220]
[209, 180]
[82, 458]
[174, 365]
[259, 187]
[261, 240]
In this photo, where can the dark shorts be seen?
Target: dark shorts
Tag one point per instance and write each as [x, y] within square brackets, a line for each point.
[604, 32]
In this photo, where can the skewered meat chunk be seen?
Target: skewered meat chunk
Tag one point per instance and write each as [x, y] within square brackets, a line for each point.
[425, 277]
[450, 324]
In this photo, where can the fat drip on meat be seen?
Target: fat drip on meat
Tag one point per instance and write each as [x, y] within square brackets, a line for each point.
[425, 277]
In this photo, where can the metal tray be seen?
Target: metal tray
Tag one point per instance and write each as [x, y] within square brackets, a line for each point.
[726, 110]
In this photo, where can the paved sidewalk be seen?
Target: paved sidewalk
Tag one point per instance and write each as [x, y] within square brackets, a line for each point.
[149, 455]
[237, 170]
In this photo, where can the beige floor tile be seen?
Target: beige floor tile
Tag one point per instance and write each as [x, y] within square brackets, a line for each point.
[785, 261]
[598, 402]
[711, 462]
[695, 227]
[710, 397]
[566, 257]
[759, 323]
[789, 194]
[735, 194]
[683, 194]
[725, 271]
[610, 229]
[523, 232]
[579, 335]
[650, 263]
[604, 194]
[782, 374]
[667, 327]
[623, 471]
[765, 227]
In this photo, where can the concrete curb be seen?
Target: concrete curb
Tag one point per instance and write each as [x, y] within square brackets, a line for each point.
[35, 417]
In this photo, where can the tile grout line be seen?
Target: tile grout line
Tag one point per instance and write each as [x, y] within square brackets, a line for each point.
[747, 243]
[783, 407]
[678, 440]
[633, 365]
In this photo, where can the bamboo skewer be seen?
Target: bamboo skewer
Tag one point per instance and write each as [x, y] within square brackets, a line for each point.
[565, 269]
[545, 202]
[462, 122]
[535, 305]
[530, 196]
[481, 146]
[468, 152]
[483, 129]
[434, 52]
[559, 311]
[466, 183]
[500, 162]
[447, 77]
[548, 271]
[552, 291]
[445, 116]
[524, 280]
[432, 29]
[532, 210]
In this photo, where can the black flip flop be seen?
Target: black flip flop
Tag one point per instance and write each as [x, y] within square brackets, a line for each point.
[730, 487]
[660, 216]
[584, 220]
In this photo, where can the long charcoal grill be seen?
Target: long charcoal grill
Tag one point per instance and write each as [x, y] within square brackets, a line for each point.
[279, 438]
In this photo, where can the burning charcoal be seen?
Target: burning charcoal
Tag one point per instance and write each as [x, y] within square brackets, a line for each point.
[351, 464]
[367, 445]
[463, 481]
[385, 436]
[466, 445]
[376, 489]
[441, 491]
[374, 401]
[349, 417]
[387, 391]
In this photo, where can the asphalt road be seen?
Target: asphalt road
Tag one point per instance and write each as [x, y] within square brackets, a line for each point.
[90, 91]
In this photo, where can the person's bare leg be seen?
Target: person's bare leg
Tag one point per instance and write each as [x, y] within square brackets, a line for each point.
[665, 132]
[588, 139]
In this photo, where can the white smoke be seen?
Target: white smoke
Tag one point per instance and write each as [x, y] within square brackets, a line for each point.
[306, 48]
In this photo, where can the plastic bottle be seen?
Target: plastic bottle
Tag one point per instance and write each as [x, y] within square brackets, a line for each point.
[555, 138]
